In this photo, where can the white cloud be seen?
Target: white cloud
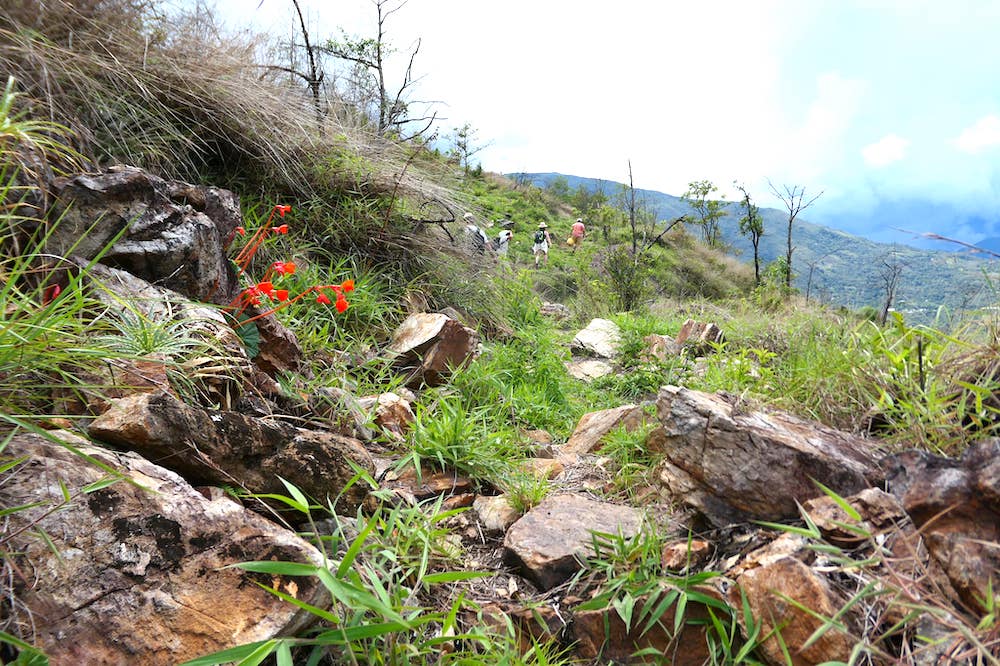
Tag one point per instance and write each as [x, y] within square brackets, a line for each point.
[983, 134]
[890, 148]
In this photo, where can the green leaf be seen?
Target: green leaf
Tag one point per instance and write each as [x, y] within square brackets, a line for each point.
[280, 568]
[453, 576]
[249, 335]
[237, 653]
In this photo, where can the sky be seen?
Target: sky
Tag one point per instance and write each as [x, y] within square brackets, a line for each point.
[891, 109]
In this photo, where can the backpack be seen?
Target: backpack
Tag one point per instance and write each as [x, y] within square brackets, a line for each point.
[540, 236]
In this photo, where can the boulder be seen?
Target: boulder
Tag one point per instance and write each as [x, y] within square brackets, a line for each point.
[548, 541]
[955, 504]
[428, 346]
[600, 338]
[171, 233]
[228, 448]
[733, 465]
[392, 413]
[660, 347]
[136, 572]
[698, 336]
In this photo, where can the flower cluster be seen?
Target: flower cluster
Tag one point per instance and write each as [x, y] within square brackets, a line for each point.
[266, 289]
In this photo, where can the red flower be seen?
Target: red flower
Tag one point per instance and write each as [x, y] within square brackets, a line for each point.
[283, 267]
[323, 298]
[347, 285]
[265, 288]
[241, 231]
[281, 294]
[282, 210]
[283, 229]
[51, 293]
[341, 304]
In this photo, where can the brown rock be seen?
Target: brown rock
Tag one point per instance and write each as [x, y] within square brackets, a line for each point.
[594, 426]
[141, 574]
[769, 589]
[698, 336]
[880, 512]
[428, 483]
[660, 347]
[223, 448]
[733, 466]
[547, 540]
[685, 555]
[602, 635]
[542, 468]
[429, 346]
[495, 512]
[601, 338]
[954, 504]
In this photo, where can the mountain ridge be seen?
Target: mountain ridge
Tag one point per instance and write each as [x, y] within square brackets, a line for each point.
[833, 265]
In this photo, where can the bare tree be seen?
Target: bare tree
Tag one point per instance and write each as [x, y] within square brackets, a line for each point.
[890, 273]
[752, 225]
[794, 198]
[369, 55]
[313, 75]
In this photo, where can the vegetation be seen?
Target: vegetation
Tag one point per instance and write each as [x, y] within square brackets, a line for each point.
[379, 212]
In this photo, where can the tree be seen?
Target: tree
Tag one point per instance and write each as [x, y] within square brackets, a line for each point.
[313, 75]
[464, 145]
[752, 225]
[391, 109]
[709, 211]
[794, 199]
[891, 271]
[559, 188]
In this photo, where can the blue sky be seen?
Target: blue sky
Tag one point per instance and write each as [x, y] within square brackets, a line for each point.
[892, 109]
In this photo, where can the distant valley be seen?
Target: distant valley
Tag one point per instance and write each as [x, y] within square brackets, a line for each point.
[841, 268]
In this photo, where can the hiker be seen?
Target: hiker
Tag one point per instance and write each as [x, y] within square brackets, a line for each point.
[541, 245]
[576, 234]
[502, 241]
[477, 237]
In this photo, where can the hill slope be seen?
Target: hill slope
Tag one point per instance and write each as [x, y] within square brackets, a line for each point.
[835, 266]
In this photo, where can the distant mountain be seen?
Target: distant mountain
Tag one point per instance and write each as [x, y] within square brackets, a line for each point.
[838, 267]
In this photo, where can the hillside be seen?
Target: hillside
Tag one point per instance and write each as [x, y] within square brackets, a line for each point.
[837, 267]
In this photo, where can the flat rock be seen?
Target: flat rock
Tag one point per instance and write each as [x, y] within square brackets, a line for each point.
[600, 338]
[547, 540]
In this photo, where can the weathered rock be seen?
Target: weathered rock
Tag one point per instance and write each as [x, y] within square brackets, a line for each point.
[392, 413]
[556, 311]
[683, 555]
[541, 468]
[880, 513]
[956, 506]
[602, 635]
[344, 412]
[140, 577]
[660, 347]
[175, 233]
[588, 369]
[733, 466]
[495, 512]
[428, 483]
[698, 336]
[600, 338]
[227, 448]
[428, 346]
[547, 540]
[770, 590]
[594, 426]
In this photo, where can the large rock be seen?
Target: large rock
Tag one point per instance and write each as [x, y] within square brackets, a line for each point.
[600, 338]
[733, 465]
[955, 504]
[428, 346]
[227, 448]
[548, 541]
[138, 574]
[172, 233]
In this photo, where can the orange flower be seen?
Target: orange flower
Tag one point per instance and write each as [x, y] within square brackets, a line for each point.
[281, 294]
[282, 210]
[323, 298]
[283, 229]
[265, 288]
[241, 231]
[347, 285]
[283, 267]
[341, 304]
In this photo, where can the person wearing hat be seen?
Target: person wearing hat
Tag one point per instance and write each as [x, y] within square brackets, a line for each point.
[577, 233]
[541, 245]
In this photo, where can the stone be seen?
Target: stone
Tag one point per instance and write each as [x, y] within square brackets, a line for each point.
[428, 483]
[602, 635]
[954, 505]
[394, 415]
[660, 347]
[769, 589]
[588, 369]
[226, 448]
[141, 576]
[428, 346]
[541, 468]
[547, 541]
[174, 233]
[601, 338]
[592, 427]
[495, 512]
[699, 336]
[342, 411]
[685, 555]
[880, 513]
[733, 465]
[556, 311]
